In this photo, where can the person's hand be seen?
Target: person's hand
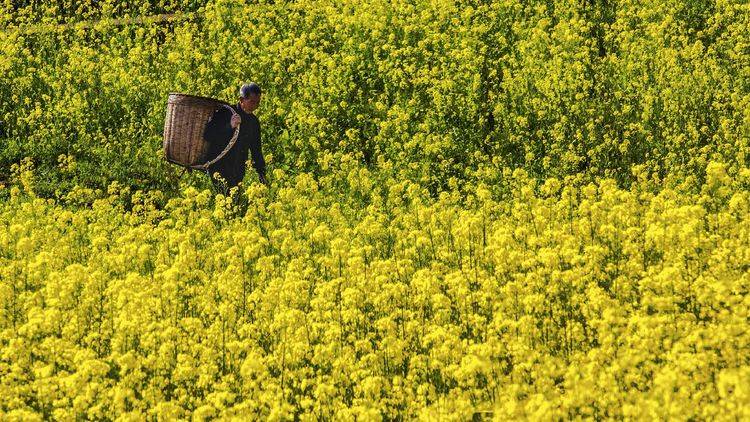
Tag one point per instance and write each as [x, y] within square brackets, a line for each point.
[236, 119]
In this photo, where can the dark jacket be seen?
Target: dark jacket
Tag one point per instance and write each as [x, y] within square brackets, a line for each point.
[218, 133]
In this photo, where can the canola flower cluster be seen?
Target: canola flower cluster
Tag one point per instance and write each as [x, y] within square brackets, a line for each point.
[548, 301]
[437, 88]
[498, 209]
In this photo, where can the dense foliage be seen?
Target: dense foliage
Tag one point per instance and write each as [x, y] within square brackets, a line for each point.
[477, 209]
[436, 89]
[595, 302]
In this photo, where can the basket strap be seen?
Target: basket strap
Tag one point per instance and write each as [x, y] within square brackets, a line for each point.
[229, 146]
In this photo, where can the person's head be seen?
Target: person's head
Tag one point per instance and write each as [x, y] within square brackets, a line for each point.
[250, 97]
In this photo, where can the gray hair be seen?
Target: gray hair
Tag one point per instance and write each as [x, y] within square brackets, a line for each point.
[249, 89]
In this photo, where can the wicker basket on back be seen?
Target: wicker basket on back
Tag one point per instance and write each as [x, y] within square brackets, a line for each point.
[186, 119]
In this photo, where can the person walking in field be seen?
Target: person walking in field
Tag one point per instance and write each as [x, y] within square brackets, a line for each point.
[218, 132]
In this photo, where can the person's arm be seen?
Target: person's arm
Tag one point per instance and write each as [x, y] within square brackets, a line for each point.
[257, 154]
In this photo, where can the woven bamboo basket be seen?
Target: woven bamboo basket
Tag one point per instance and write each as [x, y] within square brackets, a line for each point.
[186, 119]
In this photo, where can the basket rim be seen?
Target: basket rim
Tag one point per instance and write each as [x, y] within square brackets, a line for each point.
[199, 97]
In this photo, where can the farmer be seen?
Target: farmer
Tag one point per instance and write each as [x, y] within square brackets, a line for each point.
[218, 132]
